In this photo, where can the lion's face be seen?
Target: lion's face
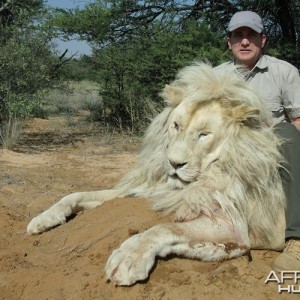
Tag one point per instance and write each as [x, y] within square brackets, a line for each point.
[195, 134]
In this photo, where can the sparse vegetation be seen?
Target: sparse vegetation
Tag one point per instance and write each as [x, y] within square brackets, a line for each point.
[71, 97]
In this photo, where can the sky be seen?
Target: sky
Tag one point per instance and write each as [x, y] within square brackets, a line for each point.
[73, 46]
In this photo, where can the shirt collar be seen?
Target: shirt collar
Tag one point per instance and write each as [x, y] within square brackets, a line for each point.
[261, 64]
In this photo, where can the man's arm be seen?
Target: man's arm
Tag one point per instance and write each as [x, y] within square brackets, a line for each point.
[296, 122]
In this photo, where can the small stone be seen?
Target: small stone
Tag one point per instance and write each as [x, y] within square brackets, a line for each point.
[36, 243]
[132, 231]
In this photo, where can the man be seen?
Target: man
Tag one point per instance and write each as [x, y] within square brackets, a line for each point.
[278, 84]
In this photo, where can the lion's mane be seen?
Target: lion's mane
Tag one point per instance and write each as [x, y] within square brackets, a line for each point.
[244, 182]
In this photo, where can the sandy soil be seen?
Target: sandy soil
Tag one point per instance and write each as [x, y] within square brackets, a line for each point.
[54, 159]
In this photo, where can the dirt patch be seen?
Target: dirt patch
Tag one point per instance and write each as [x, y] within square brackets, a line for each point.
[68, 261]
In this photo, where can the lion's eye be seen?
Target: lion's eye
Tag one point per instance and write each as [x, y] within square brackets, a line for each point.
[175, 126]
[202, 136]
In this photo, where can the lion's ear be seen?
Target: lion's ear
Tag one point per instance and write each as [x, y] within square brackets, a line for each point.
[246, 114]
[172, 95]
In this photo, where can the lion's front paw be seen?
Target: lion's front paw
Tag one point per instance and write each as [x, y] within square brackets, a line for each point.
[131, 262]
[43, 222]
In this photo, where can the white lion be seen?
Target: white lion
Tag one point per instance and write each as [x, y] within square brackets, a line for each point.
[212, 160]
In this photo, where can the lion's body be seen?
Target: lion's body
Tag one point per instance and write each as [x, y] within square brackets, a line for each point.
[209, 158]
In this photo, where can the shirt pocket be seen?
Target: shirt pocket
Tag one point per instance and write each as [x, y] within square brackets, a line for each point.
[275, 106]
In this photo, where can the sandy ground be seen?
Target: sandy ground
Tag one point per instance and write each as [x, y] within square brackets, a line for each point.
[67, 262]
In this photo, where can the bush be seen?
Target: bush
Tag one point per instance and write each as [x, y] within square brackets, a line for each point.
[26, 72]
[27, 66]
[134, 71]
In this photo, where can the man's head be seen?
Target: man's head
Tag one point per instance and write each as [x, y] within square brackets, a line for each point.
[246, 38]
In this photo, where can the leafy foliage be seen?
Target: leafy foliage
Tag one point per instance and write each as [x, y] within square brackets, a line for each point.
[27, 66]
[92, 23]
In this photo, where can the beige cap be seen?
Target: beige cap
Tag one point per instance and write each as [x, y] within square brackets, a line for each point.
[246, 19]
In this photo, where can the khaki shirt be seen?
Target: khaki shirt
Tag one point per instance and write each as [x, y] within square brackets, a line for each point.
[278, 84]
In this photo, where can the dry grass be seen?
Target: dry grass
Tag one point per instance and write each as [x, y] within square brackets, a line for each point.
[10, 132]
[72, 98]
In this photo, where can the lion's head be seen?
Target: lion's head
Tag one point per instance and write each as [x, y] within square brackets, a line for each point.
[209, 108]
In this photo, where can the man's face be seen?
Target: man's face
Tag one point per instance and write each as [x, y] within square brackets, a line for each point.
[246, 45]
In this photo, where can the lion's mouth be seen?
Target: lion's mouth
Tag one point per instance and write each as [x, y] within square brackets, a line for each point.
[176, 177]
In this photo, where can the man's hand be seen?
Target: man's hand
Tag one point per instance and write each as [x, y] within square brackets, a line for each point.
[296, 122]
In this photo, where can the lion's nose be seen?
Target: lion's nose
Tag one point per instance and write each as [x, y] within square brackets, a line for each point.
[177, 165]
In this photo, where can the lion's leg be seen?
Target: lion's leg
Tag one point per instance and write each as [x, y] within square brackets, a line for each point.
[204, 239]
[58, 213]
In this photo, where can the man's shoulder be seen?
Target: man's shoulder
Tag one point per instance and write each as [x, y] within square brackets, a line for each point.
[273, 62]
